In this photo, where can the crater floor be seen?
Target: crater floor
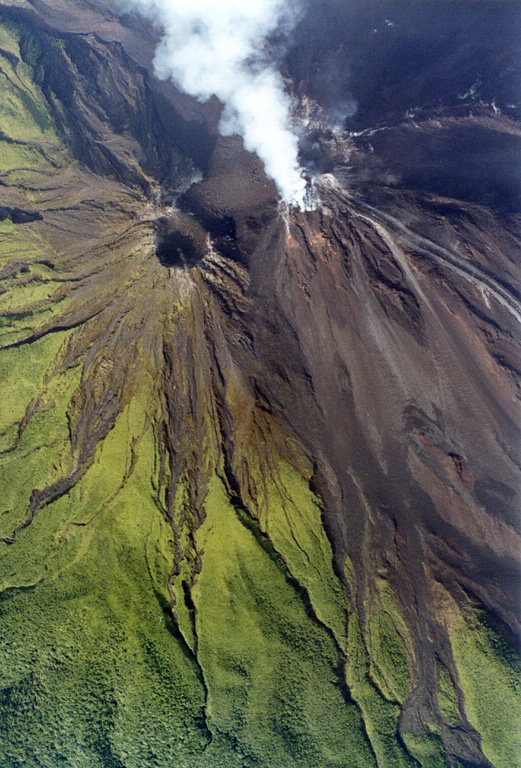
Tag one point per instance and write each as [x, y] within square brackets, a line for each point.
[259, 466]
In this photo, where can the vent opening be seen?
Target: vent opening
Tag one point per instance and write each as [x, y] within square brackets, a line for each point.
[180, 241]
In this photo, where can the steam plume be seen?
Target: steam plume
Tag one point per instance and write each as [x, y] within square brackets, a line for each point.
[218, 47]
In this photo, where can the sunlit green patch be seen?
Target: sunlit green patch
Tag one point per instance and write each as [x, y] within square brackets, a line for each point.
[490, 677]
[273, 674]
[43, 456]
[427, 750]
[17, 242]
[26, 296]
[15, 156]
[380, 715]
[24, 112]
[447, 698]
[29, 143]
[23, 371]
[94, 671]
[291, 515]
[388, 643]
[6, 227]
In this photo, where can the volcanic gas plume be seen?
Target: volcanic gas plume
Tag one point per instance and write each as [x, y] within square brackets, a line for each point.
[222, 49]
[259, 462]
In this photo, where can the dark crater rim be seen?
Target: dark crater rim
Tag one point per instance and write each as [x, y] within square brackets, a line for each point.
[176, 250]
[180, 243]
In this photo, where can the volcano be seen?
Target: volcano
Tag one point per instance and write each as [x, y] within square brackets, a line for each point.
[260, 465]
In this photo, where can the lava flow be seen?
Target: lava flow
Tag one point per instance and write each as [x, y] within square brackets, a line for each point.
[261, 461]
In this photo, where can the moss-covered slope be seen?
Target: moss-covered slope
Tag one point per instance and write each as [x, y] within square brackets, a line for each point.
[201, 562]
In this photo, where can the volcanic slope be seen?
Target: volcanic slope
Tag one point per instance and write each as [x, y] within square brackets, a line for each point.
[259, 467]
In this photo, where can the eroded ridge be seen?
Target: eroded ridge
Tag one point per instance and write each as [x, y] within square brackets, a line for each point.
[251, 508]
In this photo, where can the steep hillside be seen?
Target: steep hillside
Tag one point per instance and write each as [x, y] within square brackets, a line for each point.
[260, 467]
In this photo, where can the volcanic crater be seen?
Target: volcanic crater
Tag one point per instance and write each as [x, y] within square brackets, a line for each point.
[180, 240]
[265, 501]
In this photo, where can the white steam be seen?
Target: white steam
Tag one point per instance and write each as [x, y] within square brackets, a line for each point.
[217, 47]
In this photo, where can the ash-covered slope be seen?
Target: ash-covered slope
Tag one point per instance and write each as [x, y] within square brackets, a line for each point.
[260, 467]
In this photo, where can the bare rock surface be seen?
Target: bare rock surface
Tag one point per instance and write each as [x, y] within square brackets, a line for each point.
[362, 357]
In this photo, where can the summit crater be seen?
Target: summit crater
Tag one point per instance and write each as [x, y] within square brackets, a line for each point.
[261, 465]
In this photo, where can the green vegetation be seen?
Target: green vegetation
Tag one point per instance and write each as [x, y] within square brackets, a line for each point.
[23, 373]
[447, 698]
[490, 677]
[427, 750]
[291, 516]
[27, 135]
[387, 642]
[94, 672]
[261, 659]
[380, 715]
[274, 679]
[41, 458]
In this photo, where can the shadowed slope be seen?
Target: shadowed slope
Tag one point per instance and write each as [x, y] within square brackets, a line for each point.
[261, 482]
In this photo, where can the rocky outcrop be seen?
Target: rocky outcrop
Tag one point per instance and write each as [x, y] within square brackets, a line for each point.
[262, 465]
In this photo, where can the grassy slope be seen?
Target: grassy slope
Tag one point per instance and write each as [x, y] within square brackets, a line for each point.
[93, 670]
[490, 676]
[87, 645]
[274, 691]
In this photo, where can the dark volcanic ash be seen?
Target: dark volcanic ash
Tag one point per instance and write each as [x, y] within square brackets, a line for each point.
[261, 464]
[219, 49]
